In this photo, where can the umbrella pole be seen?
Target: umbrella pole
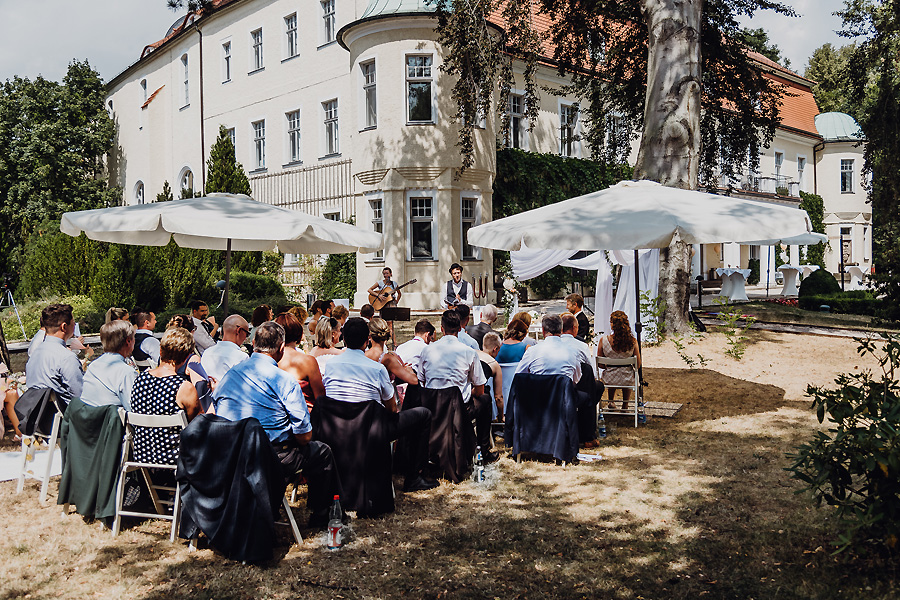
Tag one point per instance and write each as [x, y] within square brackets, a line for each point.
[227, 275]
[768, 270]
[637, 298]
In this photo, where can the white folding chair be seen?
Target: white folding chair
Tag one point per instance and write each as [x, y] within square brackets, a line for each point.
[509, 372]
[145, 365]
[30, 444]
[603, 363]
[133, 420]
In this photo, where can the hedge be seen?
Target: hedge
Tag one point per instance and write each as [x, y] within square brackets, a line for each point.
[857, 302]
[819, 283]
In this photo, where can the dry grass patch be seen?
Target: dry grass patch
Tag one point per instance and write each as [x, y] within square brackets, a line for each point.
[690, 507]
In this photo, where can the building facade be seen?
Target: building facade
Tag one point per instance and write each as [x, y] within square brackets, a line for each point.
[340, 108]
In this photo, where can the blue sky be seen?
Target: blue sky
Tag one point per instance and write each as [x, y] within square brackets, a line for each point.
[43, 36]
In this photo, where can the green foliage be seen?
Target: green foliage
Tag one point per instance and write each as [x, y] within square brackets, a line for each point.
[753, 265]
[548, 285]
[84, 310]
[527, 180]
[337, 279]
[53, 139]
[819, 283]
[655, 326]
[692, 362]
[223, 172]
[855, 302]
[252, 285]
[814, 206]
[166, 194]
[758, 40]
[855, 464]
[59, 263]
[734, 332]
[829, 67]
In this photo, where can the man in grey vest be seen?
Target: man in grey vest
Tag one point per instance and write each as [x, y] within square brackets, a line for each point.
[457, 291]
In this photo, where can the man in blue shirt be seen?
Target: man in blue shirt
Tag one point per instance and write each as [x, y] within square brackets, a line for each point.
[53, 365]
[354, 377]
[258, 388]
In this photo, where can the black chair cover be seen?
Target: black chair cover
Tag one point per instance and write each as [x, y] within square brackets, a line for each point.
[451, 447]
[541, 416]
[362, 451]
[36, 409]
[231, 486]
[587, 410]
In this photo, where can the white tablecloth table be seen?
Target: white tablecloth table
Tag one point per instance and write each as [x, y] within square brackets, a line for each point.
[790, 280]
[856, 277]
[733, 282]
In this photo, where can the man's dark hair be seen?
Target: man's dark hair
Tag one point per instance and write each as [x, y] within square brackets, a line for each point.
[576, 299]
[367, 311]
[450, 321]
[552, 324]
[269, 338]
[55, 315]
[424, 326]
[356, 333]
[139, 316]
[196, 304]
[455, 266]
[463, 311]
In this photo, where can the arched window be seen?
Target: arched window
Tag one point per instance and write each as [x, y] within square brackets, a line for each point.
[139, 192]
[186, 181]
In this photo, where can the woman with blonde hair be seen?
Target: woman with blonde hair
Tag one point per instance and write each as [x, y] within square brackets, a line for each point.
[621, 343]
[380, 333]
[328, 332]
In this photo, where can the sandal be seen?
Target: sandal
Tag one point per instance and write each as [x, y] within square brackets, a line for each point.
[591, 444]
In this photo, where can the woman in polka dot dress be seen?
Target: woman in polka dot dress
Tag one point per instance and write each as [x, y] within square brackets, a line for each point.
[162, 391]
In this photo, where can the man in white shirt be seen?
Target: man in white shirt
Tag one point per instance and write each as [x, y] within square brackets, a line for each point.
[551, 356]
[447, 363]
[218, 359]
[464, 337]
[411, 352]
[146, 346]
[205, 327]
[353, 377]
[457, 291]
[569, 329]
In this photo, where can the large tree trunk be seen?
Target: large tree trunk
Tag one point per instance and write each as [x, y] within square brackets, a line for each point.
[670, 144]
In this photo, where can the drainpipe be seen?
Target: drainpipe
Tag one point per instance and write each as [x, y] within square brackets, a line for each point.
[816, 148]
[202, 121]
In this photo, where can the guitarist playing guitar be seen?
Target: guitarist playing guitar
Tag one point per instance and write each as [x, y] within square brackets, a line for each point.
[386, 293]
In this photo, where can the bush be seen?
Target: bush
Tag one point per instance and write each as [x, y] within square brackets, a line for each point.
[753, 265]
[337, 279]
[83, 309]
[855, 464]
[857, 302]
[57, 263]
[819, 283]
[548, 285]
[251, 285]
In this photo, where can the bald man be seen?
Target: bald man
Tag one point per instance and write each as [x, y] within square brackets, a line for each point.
[219, 358]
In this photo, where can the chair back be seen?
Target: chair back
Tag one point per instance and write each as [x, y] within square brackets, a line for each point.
[141, 448]
[509, 372]
[603, 362]
[542, 416]
[144, 365]
[451, 445]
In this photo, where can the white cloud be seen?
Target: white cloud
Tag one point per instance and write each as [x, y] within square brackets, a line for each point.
[41, 37]
[798, 37]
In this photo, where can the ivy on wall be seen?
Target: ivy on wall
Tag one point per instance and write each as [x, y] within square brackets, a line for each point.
[815, 208]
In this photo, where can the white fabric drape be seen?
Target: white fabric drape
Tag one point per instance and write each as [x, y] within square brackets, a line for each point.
[649, 282]
[528, 264]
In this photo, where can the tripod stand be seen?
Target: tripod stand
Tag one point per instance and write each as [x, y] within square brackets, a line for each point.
[6, 299]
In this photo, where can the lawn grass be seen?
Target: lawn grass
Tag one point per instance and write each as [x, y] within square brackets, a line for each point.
[696, 506]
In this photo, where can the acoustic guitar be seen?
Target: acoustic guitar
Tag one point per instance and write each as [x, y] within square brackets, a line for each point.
[384, 296]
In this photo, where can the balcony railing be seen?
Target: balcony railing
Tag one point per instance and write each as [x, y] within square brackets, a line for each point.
[780, 185]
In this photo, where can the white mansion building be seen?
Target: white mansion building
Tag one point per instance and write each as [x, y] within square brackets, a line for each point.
[339, 108]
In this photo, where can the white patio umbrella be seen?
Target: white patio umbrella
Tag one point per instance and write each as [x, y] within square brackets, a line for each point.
[632, 215]
[220, 222]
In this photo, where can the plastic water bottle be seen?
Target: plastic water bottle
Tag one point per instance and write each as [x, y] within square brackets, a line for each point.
[601, 427]
[642, 416]
[335, 523]
[478, 473]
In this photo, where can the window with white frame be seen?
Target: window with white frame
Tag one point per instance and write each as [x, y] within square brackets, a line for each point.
[226, 62]
[328, 21]
[139, 193]
[516, 138]
[418, 89]
[330, 109]
[779, 163]
[259, 144]
[568, 122]
[293, 132]
[421, 228]
[232, 137]
[846, 175]
[290, 33]
[332, 216]
[377, 208]
[187, 183]
[469, 218]
[184, 65]
[801, 167]
[256, 38]
[370, 104]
